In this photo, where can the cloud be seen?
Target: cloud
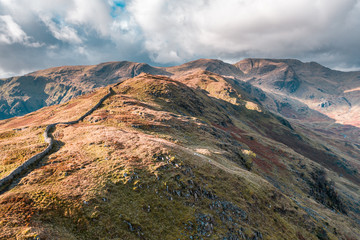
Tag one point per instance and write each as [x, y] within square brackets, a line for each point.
[161, 32]
[11, 32]
[93, 14]
[61, 31]
[269, 28]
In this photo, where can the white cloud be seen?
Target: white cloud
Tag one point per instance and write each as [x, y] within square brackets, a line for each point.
[172, 32]
[259, 27]
[94, 14]
[11, 32]
[62, 31]
[6, 74]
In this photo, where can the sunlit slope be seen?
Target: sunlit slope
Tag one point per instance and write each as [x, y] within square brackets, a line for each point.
[162, 158]
[28, 93]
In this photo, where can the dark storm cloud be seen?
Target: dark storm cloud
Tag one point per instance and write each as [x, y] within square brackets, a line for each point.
[39, 34]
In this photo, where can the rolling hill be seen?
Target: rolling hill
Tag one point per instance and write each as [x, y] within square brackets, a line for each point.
[196, 151]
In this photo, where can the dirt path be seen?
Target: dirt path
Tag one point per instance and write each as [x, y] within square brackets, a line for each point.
[20, 171]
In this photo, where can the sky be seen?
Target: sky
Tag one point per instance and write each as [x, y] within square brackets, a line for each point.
[39, 34]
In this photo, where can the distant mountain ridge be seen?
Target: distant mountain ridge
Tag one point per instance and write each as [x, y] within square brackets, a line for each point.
[190, 156]
[294, 89]
[332, 93]
[28, 93]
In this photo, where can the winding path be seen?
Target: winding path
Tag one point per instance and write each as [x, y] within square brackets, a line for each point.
[23, 168]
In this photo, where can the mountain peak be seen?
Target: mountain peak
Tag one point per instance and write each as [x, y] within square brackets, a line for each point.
[248, 63]
[211, 65]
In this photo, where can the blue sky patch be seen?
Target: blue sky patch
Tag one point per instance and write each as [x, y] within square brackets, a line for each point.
[117, 7]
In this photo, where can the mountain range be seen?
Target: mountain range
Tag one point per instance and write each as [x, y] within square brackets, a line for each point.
[259, 149]
[296, 88]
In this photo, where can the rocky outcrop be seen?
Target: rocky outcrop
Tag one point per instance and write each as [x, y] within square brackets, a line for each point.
[289, 81]
[50, 140]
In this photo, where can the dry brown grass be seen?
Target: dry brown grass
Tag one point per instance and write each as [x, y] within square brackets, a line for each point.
[118, 173]
[18, 145]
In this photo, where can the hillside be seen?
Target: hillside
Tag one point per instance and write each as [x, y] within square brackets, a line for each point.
[194, 156]
[25, 94]
[305, 92]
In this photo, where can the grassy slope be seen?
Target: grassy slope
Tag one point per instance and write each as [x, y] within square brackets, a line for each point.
[22, 137]
[25, 94]
[18, 145]
[161, 160]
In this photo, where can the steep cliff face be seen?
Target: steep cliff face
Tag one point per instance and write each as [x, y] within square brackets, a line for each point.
[306, 86]
[270, 75]
[187, 157]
